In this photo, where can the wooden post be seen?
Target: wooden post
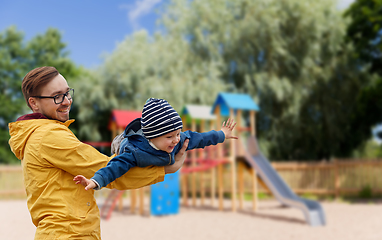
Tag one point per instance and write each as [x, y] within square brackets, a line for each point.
[213, 175]
[184, 189]
[119, 131]
[201, 174]
[233, 167]
[254, 190]
[149, 200]
[120, 204]
[239, 125]
[193, 174]
[133, 200]
[202, 186]
[113, 130]
[141, 200]
[337, 179]
[255, 200]
[241, 184]
[252, 115]
[213, 155]
[184, 121]
[220, 166]
[220, 186]
[184, 177]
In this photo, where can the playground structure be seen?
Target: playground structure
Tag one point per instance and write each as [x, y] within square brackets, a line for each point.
[214, 158]
[232, 154]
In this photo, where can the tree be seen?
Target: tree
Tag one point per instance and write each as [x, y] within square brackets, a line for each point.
[290, 56]
[17, 58]
[365, 32]
[13, 63]
[139, 68]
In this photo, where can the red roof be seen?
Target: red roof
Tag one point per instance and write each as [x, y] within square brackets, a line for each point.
[122, 117]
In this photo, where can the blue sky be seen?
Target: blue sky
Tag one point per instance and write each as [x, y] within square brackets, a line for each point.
[88, 27]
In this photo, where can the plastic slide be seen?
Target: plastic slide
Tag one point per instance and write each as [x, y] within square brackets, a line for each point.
[312, 210]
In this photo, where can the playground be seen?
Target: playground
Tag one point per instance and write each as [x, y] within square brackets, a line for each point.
[243, 155]
[350, 221]
[193, 203]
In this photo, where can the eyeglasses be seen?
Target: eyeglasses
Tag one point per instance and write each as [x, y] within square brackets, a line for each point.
[59, 98]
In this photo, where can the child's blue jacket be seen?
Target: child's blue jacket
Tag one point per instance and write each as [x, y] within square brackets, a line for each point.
[135, 150]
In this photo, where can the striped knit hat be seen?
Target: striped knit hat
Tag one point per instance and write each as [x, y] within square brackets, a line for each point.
[159, 118]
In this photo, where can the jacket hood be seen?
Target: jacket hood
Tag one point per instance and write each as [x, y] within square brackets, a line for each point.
[32, 116]
[21, 130]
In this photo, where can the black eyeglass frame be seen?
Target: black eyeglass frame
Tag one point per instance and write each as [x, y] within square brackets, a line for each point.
[55, 97]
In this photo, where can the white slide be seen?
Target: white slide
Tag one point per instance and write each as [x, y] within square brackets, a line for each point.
[313, 212]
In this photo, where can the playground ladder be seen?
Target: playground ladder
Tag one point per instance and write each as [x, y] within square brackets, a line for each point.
[110, 202]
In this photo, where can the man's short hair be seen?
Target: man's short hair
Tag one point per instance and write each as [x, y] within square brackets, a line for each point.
[35, 80]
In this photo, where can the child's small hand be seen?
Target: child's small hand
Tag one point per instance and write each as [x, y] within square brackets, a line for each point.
[89, 184]
[228, 127]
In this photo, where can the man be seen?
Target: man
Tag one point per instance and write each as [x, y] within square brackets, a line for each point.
[51, 156]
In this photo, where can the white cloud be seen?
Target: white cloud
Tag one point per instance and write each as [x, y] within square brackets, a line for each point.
[139, 9]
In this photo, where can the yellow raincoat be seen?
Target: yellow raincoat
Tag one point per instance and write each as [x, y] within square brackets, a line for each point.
[51, 156]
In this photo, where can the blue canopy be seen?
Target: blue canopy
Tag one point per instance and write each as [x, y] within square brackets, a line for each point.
[235, 101]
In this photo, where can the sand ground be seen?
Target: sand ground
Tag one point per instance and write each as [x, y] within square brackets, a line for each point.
[349, 221]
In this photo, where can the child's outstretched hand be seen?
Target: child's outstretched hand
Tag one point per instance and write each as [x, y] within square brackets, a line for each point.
[89, 184]
[228, 127]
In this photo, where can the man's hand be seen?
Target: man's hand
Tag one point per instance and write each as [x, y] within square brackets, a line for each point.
[179, 159]
[88, 184]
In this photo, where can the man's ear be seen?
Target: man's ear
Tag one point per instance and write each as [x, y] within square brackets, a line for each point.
[33, 103]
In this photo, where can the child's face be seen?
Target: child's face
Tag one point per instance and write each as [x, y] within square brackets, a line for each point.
[168, 141]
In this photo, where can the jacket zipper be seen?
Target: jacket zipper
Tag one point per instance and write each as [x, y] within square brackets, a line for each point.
[170, 159]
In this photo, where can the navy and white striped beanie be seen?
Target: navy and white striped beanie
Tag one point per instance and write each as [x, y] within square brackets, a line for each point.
[159, 118]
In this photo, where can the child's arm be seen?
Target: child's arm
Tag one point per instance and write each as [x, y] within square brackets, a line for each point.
[227, 128]
[89, 184]
[201, 140]
[114, 169]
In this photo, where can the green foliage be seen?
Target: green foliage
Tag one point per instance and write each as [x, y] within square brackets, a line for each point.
[260, 196]
[264, 196]
[18, 57]
[369, 150]
[316, 98]
[366, 193]
[13, 62]
[365, 32]
[139, 68]
[290, 56]
[310, 196]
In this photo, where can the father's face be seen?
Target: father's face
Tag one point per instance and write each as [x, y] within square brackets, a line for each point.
[48, 107]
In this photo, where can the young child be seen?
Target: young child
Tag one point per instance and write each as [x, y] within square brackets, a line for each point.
[153, 139]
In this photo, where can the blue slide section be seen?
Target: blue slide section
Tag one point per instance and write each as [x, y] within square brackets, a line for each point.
[313, 212]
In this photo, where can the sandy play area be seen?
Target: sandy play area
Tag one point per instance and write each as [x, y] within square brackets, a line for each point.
[356, 221]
